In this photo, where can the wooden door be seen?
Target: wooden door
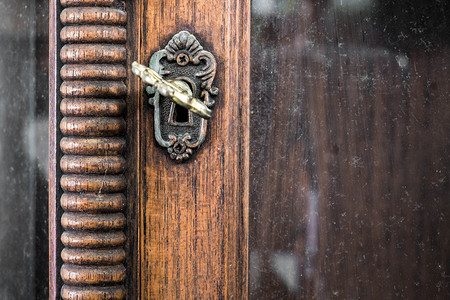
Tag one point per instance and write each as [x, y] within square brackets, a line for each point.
[132, 221]
[323, 175]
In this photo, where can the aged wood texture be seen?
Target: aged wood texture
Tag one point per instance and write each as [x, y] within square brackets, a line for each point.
[133, 172]
[92, 104]
[54, 209]
[193, 216]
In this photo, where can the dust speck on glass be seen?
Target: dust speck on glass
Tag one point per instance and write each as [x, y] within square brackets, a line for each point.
[23, 149]
[350, 149]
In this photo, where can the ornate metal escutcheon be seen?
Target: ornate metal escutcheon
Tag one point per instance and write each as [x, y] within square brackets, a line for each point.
[181, 91]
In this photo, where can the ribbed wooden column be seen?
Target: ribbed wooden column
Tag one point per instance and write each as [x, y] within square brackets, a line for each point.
[93, 92]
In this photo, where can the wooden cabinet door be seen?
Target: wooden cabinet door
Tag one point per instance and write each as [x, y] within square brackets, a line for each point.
[126, 219]
[324, 173]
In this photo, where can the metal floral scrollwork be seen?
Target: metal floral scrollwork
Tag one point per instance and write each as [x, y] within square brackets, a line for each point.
[185, 63]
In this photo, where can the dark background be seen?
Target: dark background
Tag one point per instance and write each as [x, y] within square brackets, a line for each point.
[23, 149]
[350, 150]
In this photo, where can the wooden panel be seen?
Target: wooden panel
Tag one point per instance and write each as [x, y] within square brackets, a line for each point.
[88, 107]
[193, 216]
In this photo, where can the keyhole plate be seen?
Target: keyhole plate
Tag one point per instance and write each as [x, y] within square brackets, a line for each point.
[182, 60]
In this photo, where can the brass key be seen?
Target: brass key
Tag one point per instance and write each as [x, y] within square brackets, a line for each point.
[171, 89]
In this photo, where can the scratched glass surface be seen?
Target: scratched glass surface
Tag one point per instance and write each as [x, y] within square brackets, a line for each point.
[350, 149]
[23, 149]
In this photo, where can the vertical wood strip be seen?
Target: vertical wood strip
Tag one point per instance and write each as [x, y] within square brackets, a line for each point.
[194, 218]
[91, 101]
[54, 210]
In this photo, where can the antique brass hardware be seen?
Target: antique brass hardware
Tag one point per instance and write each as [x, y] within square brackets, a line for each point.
[180, 78]
[172, 89]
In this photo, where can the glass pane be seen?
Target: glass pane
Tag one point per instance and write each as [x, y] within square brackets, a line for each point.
[350, 149]
[23, 149]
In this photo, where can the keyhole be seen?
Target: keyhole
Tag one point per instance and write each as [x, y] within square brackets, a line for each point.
[180, 114]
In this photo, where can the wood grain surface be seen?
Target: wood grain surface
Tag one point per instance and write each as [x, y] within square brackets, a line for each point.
[88, 109]
[349, 149]
[192, 220]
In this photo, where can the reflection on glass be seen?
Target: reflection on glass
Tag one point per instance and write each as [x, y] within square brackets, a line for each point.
[23, 149]
[350, 150]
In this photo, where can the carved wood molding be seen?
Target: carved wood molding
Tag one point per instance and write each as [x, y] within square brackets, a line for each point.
[92, 145]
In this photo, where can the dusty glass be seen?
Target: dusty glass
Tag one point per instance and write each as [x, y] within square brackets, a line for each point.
[23, 149]
[350, 149]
